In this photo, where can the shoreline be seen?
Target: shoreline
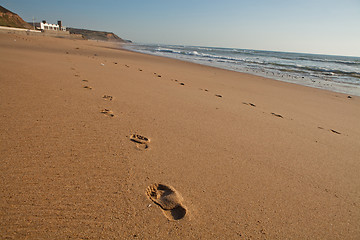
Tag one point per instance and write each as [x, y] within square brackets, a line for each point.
[340, 88]
[108, 143]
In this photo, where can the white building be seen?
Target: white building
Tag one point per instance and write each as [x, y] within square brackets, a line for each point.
[48, 26]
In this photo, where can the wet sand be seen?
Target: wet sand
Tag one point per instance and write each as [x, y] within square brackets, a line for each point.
[98, 142]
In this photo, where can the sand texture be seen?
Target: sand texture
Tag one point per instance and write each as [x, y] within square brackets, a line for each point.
[102, 143]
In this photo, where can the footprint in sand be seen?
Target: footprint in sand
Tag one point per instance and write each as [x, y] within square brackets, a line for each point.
[88, 87]
[250, 104]
[277, 115]
[218, 95]
[107, 97]
[141, 141]
[158, 75]
[334, 131]
[168, 199]
[331, 130]
[84, 80]
[107, 112]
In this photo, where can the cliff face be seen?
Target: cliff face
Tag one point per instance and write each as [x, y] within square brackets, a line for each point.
[10, 19]
[96, 35]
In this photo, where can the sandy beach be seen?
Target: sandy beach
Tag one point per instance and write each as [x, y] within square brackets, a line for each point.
[98, 142]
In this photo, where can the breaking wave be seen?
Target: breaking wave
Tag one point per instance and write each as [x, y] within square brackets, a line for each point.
[337, 72]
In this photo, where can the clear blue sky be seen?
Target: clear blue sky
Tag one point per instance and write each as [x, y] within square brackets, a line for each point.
[311, 26]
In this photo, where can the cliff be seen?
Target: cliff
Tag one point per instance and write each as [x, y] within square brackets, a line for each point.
[96, 35]
[10, 19]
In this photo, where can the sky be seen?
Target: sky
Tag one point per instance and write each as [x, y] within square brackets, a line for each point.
[307, 26]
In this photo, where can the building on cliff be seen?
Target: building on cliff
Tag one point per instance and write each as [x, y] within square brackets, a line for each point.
[44, 26]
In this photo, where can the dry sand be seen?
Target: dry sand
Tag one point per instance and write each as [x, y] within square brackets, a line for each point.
[97, 142]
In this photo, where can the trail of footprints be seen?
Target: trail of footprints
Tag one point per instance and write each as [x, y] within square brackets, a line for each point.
[145, 145]
[164, 196]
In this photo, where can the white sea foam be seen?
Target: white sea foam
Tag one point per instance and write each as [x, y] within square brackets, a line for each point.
[329, 72]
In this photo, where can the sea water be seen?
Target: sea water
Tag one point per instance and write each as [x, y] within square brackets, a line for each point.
[335, 73]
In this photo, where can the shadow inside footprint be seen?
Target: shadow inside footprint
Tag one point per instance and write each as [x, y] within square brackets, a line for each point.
[141, 141]
[107, 97]
[277, 115]
[334, 131]
[168, 199]
[250, 104]
[107, 112]
[178, 213]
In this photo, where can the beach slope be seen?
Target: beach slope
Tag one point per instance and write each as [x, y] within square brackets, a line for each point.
[98, 142]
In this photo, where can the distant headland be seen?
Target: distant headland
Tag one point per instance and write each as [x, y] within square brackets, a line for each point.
[9, 19]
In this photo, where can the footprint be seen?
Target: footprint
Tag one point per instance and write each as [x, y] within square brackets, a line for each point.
[251, 104]
[141, 141]
[88, 87]
[334, 131]
[84, 80]
[107, 112]
[277, 115]
[107, 97]
[218, 95]
[331, 130]
[168, 199]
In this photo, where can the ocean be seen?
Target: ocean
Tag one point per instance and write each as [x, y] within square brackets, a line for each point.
[334, 73]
